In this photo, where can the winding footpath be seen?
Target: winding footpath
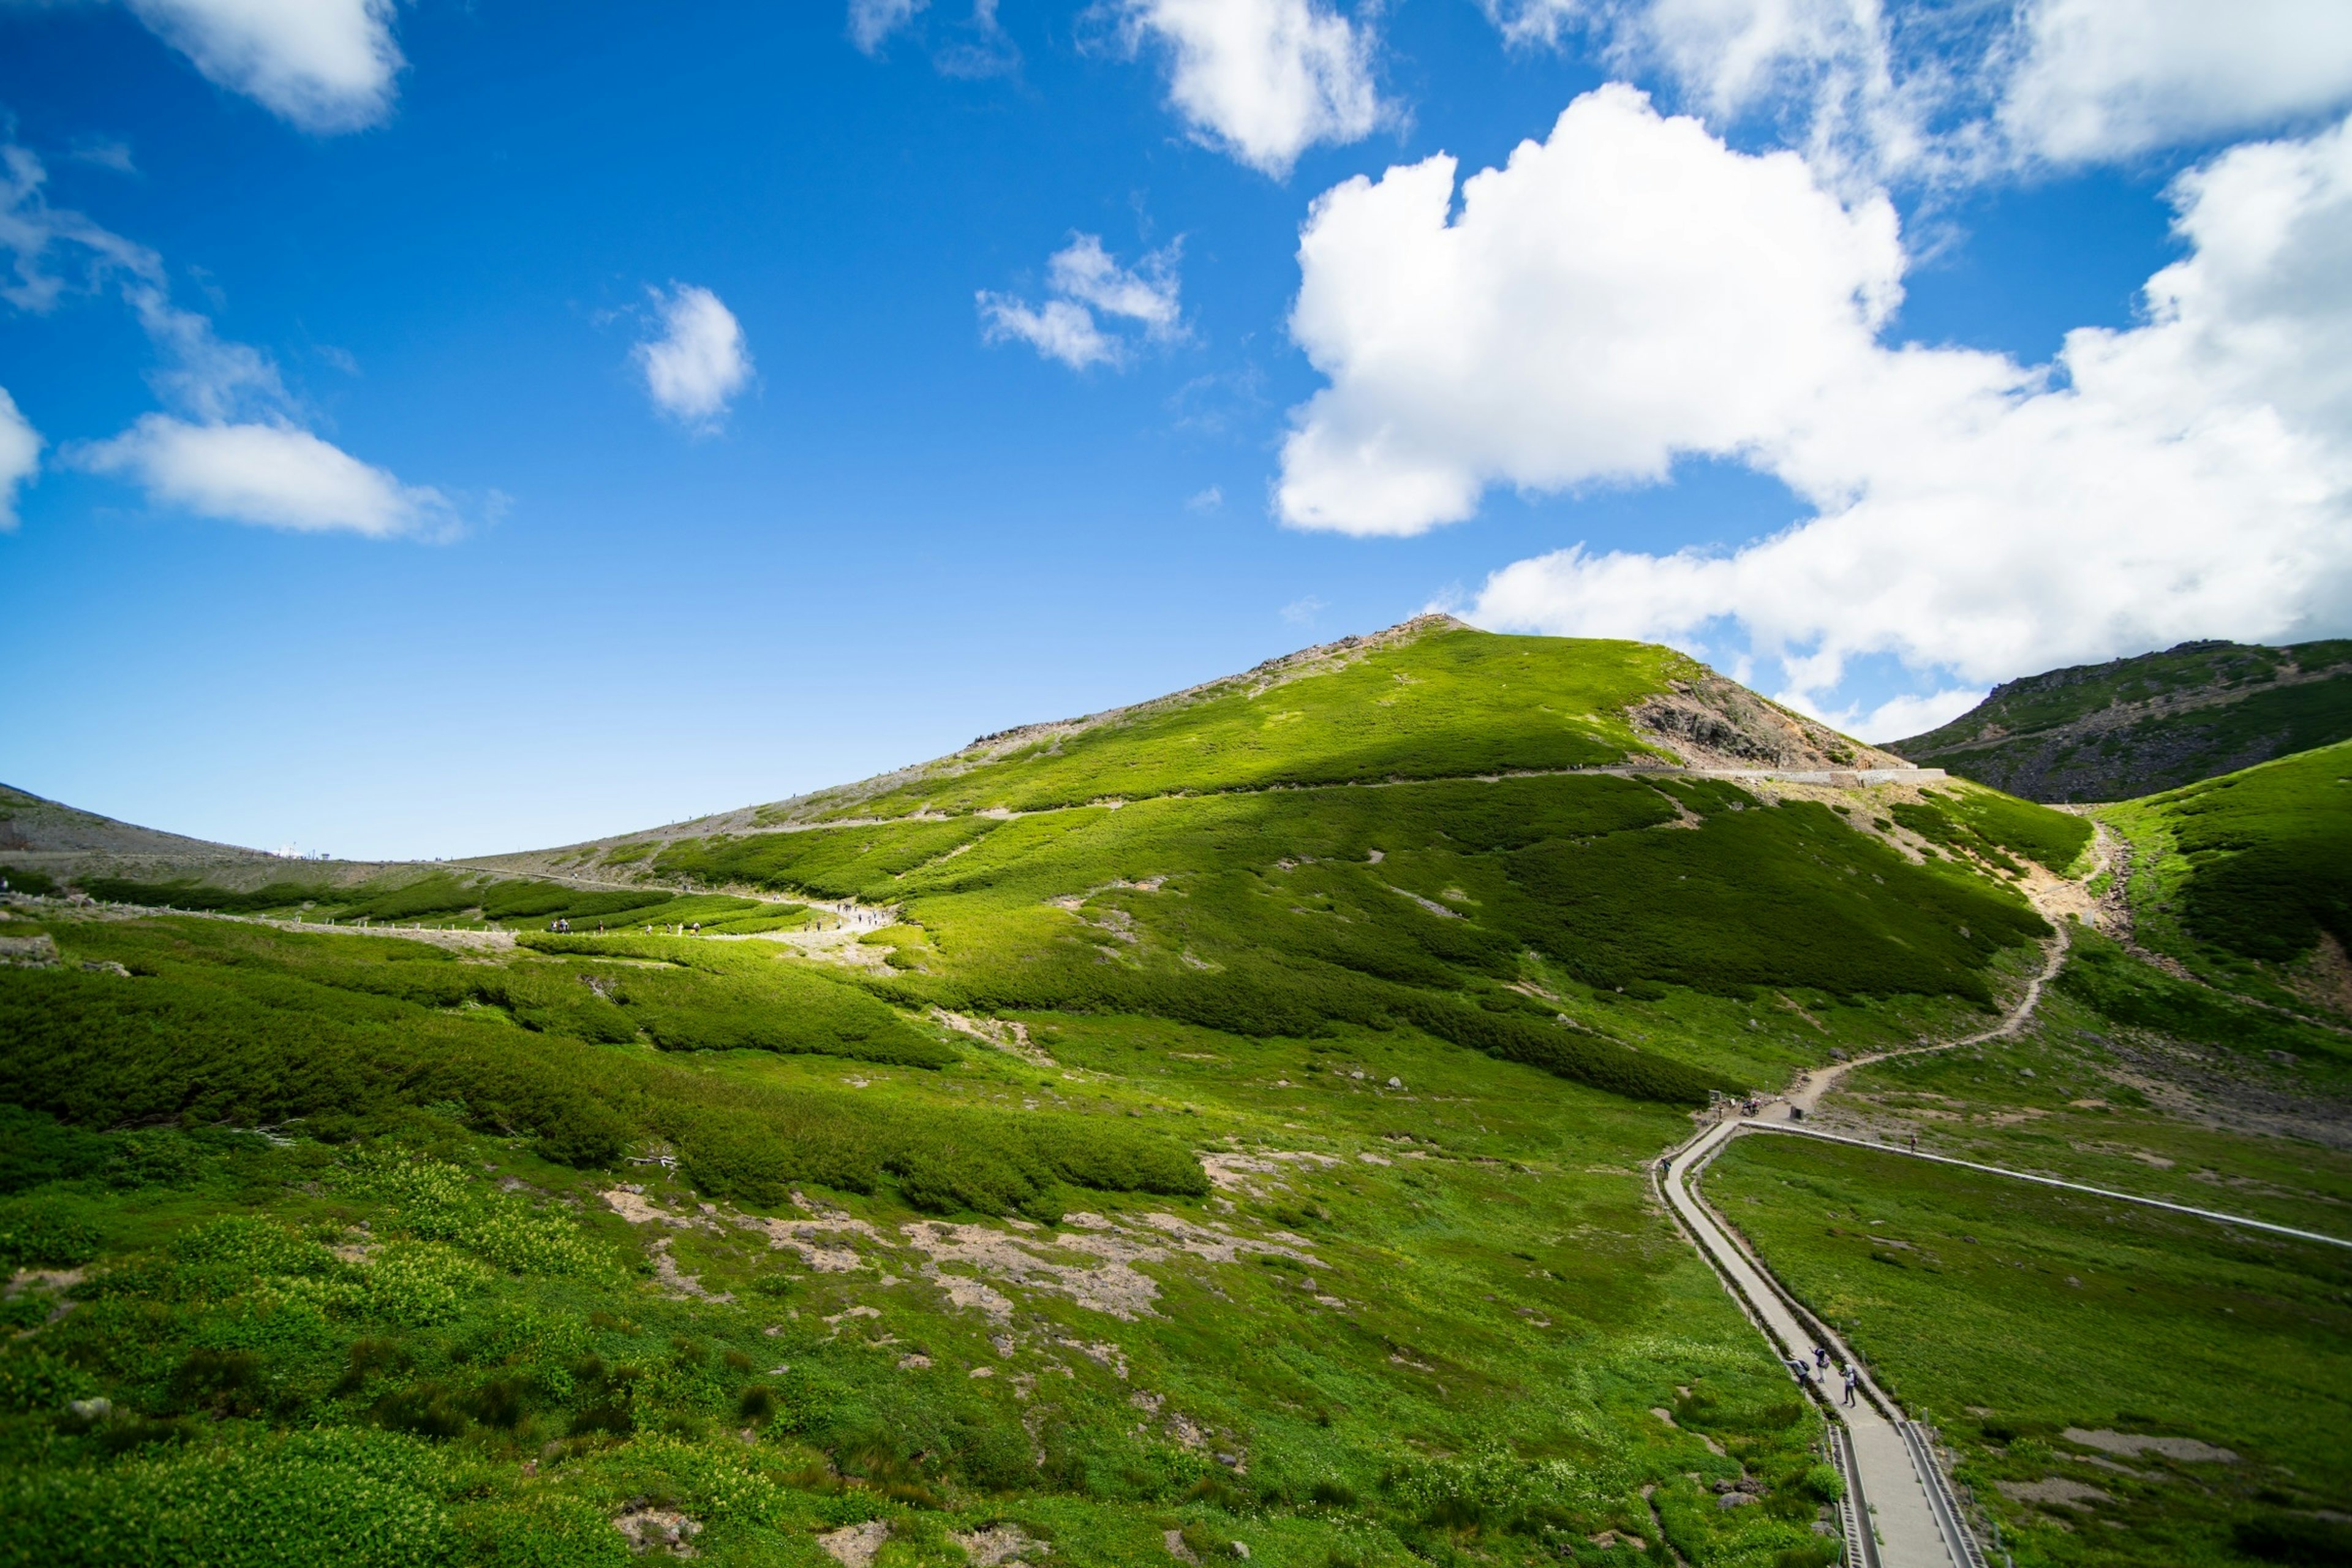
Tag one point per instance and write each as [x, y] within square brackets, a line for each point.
[1899, 1509]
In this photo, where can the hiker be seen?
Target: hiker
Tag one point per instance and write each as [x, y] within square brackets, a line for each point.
[1852, 1381]
[1914, 1142]
[1821, 1358]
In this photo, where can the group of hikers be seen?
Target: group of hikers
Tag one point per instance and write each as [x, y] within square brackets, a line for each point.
[1805, 1371]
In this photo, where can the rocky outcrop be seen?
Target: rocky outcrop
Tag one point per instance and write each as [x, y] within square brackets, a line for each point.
[1713, 722]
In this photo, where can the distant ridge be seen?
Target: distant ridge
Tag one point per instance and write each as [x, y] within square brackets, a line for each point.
[2135, 726]
[33, 828]
[1681, 714]
[67, 842]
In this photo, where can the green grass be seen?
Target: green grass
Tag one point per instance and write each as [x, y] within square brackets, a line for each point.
[1988, 823]
[2141, 1083]
[1520, 916]
[2268, 853]
[1509, 1311]
[1448, 704]
[222, 1023]
[446, 899]
[2006, 1314]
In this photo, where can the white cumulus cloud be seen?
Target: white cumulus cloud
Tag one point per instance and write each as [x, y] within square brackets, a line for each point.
[270, 475]
[20, 456]
[1263, 80]
[1631, 291]
[2103, 79]
[699, 362]
[1091, 288]
[325, 65]
[1618, 294]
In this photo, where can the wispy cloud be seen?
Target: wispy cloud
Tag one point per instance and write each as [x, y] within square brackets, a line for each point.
[976, 47]
[237, 449]
[1091, 289]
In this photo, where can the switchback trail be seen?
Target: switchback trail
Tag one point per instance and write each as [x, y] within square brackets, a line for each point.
[1900, 1510]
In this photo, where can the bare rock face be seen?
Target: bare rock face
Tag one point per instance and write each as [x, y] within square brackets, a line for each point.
[1712, 723]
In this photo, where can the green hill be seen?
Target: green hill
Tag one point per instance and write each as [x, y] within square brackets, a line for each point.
[2135, 726]
[1222, 1120]
[2248, 878]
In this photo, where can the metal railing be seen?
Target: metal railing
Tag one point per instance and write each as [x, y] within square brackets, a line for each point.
[1946, 1507]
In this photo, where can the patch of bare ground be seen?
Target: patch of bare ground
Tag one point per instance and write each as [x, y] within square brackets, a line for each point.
[1093, 1262]
[2132, 1444]
[2324, 979]
[2055, 1490]
[997, 1545]
[1007, 1034]
[35, 952]
[681, 1285]
[1230, 1173]
[855, 1545]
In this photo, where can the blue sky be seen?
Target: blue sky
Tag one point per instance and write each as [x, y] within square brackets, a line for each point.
[440, 428]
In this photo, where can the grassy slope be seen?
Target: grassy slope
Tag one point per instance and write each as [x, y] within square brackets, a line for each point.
[456, 901]
[1210, 972]
[2104, 731]
[2244, 878]
[1463, 1356]
[2007, 1314]
[1449, 703]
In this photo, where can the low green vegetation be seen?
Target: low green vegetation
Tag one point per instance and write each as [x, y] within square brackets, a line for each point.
[409, 1327]
[2269, 854]
[1449, 703]
[1991, 826]
[2135, 726]
[2140, 1082]
[2026, 1324]
[217, 1022]
[443, 899]
[1238, 1144]
[1517, 917]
